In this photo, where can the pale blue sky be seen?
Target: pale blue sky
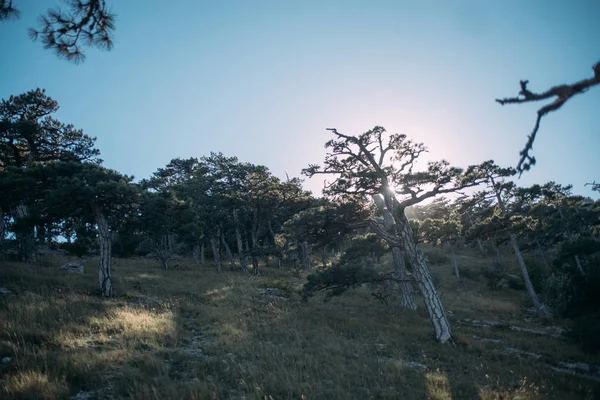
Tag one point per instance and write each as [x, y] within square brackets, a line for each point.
[261, 80]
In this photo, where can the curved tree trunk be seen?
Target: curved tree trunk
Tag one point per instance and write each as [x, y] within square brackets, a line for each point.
[104, 272]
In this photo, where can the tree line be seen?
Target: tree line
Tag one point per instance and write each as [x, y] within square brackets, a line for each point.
[57, 194]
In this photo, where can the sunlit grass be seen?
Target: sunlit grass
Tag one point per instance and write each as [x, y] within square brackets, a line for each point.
[195, 334]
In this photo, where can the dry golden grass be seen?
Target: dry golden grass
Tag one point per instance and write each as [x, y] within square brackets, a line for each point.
[193, 334]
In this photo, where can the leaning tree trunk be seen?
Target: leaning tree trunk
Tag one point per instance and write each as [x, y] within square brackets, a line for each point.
[454, 261]
[405, 286]
[25, 238]
[579, 267]
[104, 273]
[434, 306]
[542, 255]
[228, 252]
[541, 309]
[530, 289]
[407, 299]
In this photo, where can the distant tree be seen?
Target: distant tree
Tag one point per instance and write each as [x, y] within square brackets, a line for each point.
[562, 94]
[372, 165]
[83, 23]
[31, 136]
[95, 194]
[442, 231]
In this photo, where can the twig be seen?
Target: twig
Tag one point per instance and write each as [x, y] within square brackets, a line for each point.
[562, 93]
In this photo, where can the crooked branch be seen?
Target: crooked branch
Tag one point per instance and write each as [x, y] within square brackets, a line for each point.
[562, 94]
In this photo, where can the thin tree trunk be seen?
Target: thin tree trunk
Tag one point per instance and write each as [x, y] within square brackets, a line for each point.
[541, 309]
[228, 252]
[2, 233]
[530, 289]
[305, 255]
[104, 270]
[197, 254]
[238, 239]
[25, 238]
[214, 245]
[542, 255]
[324, 256]
[481, 248]
[454, 261]
[578, 263]
[202, 254]
[497, 250]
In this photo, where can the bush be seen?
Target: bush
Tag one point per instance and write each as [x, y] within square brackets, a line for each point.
[586, 330]
[558, 292]
[515, 283]
[537, 273]
[436, 256]
[470, 274]
[494, 279]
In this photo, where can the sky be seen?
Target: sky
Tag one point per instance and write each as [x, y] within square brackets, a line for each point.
[262, 80]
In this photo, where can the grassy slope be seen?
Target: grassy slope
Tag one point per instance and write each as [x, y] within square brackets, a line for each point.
[216, 337]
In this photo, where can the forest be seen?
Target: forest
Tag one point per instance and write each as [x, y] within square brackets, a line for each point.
[214, 278]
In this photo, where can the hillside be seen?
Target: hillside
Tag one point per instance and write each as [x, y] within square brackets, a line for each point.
[189, 333]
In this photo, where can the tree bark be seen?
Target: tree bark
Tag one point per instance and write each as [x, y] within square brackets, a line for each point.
[305, 255]
[104, 270]
[25, 238]
[214, 244]
[434, 306]
[579, 267]
[497, 250]
[238, 239]
[407, 299]
[198, 254]
[2, 233]
[542, 255]
[228, 252]
[456, 272]
[404, 287]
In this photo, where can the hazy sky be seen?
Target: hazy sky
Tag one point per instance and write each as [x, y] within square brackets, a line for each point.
[261, 80]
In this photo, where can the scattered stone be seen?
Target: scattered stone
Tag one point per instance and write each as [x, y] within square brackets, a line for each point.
[145, 301]
[517, 352]
[490, 340]
[81, 395]
[538, 332]
[33, 295]
[6, 360]
[273, 293]
[380, 346]
[483, 323]
[4, 291]
[72, 267]
[496, 324]
[7, 348]
[407, 364]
